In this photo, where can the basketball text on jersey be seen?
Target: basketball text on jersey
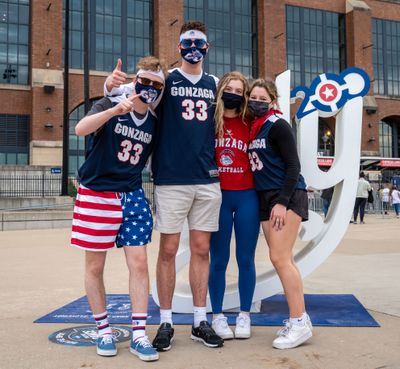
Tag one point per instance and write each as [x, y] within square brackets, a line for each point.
[190, 91]
[132, 132]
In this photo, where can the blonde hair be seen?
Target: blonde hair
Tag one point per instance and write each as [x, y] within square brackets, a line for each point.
[270, 87]
[152, 63]
[219, 110]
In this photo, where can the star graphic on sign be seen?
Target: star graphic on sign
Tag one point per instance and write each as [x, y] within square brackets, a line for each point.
[134, 223]
[147, 223]
[328, 92]
[134, 237]
[128, 229]
[141, 243]
[141, 229]
[145, 210]
[136, 204]
[131, 212]
[140, 216]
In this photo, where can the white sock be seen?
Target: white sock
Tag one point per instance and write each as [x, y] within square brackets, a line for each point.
[200, 314]
[138, 325]
[300, 320]
[166, 316]
[217, 316]
[102, 324]
[245, 314]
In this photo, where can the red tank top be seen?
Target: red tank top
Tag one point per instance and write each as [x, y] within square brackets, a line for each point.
[231, 156]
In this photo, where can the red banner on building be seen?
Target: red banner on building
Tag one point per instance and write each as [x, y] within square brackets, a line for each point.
[324, 162]
[390, 163]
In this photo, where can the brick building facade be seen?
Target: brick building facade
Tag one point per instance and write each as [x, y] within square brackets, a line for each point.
[44, 106]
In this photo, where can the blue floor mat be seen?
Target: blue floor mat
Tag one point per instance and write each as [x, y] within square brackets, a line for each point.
[324, 310]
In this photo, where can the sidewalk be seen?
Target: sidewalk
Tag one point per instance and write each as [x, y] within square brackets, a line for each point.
[39, 273]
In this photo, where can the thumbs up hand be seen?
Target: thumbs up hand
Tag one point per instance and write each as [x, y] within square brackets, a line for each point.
[117, 78]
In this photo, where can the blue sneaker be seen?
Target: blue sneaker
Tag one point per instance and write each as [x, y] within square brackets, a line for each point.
[142, 348]
[106, 345]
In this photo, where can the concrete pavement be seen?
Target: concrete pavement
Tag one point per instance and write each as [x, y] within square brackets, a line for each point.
[39, 273]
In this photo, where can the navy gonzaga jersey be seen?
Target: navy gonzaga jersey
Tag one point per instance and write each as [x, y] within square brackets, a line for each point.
[184, 152]
[118, 152]
[269, 170]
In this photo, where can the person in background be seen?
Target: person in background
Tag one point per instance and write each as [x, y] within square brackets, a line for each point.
[385, 198]
[395, 200]
[363, 187]
[326, 196]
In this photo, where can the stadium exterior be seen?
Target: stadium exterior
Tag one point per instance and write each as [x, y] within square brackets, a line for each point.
[256, 37]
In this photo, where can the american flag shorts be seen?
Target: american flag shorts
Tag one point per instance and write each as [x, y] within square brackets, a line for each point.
[102, 220]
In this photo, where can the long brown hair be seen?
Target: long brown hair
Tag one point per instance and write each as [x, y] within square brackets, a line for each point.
[219, 110]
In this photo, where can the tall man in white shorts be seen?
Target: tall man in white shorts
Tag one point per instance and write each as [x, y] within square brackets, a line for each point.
[186, 179]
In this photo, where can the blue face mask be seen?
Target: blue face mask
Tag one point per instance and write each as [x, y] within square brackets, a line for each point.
[232, 101]
[193, 55]
[148, 94]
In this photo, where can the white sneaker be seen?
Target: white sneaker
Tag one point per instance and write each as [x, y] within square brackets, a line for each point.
[243, 326]
[221, 328]
[292, 335]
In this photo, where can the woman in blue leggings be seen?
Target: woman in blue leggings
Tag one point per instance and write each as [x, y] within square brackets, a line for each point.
[239, 209]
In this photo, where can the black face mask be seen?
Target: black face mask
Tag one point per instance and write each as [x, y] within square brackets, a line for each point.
[232, 101]
[257, 108]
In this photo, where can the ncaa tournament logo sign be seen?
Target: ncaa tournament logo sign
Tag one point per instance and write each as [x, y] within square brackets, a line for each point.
[329, 95]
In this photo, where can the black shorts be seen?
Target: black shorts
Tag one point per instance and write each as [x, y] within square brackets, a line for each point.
[298, 203]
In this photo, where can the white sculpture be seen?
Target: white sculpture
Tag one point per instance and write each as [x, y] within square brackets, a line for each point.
[328, 95]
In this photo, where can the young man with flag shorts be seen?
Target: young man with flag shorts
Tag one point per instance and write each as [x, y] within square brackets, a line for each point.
[111, 208]
[186, 178]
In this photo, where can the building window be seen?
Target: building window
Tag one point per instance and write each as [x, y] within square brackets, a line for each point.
[117, 29]
[315, 43]
[231, 31]
[386, 55]
[14, 139]
[389, 138]
[14, 41]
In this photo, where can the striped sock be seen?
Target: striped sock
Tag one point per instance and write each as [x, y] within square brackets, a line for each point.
[103, 327]
[138, 325]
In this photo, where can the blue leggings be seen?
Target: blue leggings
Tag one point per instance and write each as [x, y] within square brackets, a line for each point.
[241, 210]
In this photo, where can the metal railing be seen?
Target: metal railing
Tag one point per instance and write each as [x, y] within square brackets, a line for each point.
[40, 185]
[49, 185]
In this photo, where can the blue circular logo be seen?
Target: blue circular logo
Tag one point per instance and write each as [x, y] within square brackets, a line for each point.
[86, 335]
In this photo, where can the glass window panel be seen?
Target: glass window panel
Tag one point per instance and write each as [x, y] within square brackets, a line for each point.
[109, 18]
[229, 40]
[386, 36]
[22, 159]
[307, 52]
